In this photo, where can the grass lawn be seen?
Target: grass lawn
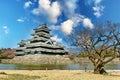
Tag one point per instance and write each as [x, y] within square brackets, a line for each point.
[56, 75]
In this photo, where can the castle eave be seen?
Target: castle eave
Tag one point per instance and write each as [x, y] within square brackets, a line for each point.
[40, 38]
[20, 48]
[45, 50]
[43, 45]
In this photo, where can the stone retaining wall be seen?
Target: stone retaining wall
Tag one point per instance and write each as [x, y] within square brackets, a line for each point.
[38, 59]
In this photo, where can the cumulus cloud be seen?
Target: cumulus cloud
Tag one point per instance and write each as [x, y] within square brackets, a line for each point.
[71, 5]
[51, 9]
[67, 26]
[27, 4]
[20, 20]
[73, 18]
[98, 8]
[54, 12]
[68, 7]
[56, 39]
[87, 23]
[6, 30]
[45, 4]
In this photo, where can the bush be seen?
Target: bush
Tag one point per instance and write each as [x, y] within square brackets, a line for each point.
[7, 53]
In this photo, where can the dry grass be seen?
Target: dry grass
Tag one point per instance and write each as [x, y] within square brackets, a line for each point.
[56, 75]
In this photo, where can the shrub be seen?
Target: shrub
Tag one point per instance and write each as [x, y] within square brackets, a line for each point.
[7, 53]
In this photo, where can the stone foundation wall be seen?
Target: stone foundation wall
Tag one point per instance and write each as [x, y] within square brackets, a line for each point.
[38, 59]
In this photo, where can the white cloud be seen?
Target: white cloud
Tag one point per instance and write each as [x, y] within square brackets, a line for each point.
[67, 26]
[36, 11]
[53, 27]
[54, 12]
[55, 38]
[71, 4]
[77, 18]
[20, 20]
[45, 4]
[73, 18]
[6, 30]
[87, 23]
[98, 9]
[97, 1]
[51, 9]
[68, 7]
[27, 4]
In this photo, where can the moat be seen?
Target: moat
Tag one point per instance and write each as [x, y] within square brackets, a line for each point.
[55, 67]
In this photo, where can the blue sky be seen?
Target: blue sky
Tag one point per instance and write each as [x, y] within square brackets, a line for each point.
[18, 18]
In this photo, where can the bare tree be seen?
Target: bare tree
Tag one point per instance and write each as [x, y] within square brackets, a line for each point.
[98, 43]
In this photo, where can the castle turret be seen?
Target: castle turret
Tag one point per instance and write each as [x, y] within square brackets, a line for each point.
[21, 49]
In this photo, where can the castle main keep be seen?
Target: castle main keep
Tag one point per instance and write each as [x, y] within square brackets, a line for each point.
[40, 43]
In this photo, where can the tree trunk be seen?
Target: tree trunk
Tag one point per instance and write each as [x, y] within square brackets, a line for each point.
[99, 69]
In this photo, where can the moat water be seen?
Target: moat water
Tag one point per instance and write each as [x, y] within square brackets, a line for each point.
[55, 67]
